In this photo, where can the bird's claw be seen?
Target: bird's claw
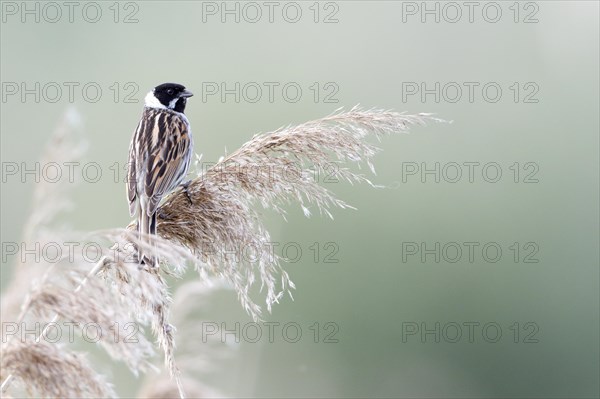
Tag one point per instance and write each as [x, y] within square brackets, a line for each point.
[163, 215]
[185, 186]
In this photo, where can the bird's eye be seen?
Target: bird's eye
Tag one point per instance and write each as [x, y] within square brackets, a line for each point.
[170, 92]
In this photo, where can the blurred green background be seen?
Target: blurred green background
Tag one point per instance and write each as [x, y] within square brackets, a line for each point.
[371, 55]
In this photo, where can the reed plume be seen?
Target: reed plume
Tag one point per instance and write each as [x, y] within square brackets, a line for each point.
[214, 227]
[272, 170]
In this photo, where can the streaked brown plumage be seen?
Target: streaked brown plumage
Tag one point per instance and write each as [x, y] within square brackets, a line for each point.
[159, 157]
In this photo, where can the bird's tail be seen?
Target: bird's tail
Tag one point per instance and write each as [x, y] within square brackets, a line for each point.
[147, 228]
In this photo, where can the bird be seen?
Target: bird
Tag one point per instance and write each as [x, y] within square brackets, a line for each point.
[160, 154]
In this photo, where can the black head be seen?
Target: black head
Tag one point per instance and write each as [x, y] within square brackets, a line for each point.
[168, 95]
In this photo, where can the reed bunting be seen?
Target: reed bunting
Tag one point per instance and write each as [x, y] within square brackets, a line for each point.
[159, 158]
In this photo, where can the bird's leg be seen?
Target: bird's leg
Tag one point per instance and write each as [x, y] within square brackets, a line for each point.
[185, 186]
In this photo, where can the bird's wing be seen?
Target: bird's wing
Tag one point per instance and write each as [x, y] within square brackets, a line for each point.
[131, 172]
[169, 161]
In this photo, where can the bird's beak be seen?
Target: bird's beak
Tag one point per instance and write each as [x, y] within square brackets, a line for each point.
[186, 93]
